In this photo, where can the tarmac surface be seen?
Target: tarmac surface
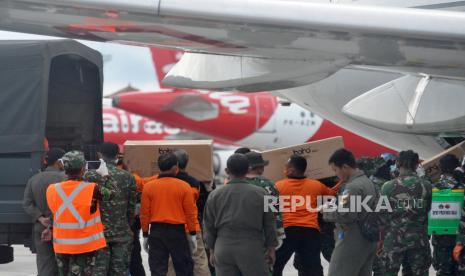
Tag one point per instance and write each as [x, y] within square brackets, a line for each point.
[25, 265]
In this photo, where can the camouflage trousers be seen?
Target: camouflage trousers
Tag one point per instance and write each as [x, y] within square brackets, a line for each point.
[443, 262]
[114, 259]
[419, 260]
[378, 267]
[76, 264]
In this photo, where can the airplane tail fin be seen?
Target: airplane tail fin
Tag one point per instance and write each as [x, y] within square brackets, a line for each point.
[164, 60]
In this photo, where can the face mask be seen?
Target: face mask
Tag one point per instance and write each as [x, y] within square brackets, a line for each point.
[420, 171]
[393, 168]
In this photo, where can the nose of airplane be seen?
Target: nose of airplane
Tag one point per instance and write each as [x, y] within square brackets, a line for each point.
[148, 104]
[142, 103]
[169, 106]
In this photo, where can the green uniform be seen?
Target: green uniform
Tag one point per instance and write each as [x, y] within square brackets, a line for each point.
[377, 261]
[269, 187]
[118, 215]
[406, 228]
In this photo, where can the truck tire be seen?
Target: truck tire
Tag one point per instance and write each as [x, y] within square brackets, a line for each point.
[6, 254]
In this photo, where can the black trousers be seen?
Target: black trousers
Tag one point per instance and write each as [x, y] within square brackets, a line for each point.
[136, 268]
[306, 243]
[167, 240]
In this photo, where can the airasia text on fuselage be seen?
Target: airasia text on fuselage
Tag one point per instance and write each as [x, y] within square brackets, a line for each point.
[123, 122]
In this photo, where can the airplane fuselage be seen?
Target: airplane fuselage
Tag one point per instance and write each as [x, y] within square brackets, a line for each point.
[256, 120]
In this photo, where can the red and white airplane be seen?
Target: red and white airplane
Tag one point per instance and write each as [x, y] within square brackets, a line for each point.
[255, 120]
[120, 126]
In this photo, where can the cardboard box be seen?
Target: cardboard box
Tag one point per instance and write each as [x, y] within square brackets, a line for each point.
[317, 154]
[431, 165]
[141, 156]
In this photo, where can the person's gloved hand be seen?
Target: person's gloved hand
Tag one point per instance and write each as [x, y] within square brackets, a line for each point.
[192, 239]
[456, 253]
[102, 169]
[146, 245]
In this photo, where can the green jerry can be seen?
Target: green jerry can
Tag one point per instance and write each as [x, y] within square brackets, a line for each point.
[446, 209]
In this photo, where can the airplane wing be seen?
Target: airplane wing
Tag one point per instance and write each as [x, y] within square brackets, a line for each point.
[257, 41]
[275, 44]
[257, 45]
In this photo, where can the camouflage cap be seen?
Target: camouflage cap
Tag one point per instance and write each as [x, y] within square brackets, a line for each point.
[73, 160]
[256, 159]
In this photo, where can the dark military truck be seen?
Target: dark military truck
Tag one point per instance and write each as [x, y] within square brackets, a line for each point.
[50, 90]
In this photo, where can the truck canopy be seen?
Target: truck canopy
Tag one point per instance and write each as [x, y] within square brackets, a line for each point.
[51, 90]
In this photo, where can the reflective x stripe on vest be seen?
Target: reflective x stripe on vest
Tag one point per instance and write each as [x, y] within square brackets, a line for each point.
[68, 204]
[79, 241]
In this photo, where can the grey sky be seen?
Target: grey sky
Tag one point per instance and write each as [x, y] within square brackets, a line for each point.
[123, 64]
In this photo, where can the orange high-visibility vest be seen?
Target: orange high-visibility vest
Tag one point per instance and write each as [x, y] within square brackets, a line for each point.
[75, 229]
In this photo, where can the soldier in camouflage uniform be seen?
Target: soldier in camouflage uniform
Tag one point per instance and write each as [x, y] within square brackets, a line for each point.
[118, 216]
[82, 264]
[406, 235]
[370, 166]
[443, 245]
[255, 177]
[378, 169]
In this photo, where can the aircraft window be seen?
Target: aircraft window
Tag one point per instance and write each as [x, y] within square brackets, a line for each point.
[312, 114]
[302, 114]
